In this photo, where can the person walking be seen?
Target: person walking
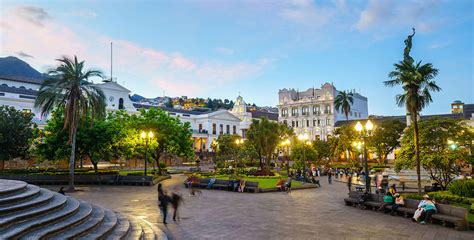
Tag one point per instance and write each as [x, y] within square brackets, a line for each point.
[176, 200]
[163, 200]
[349, 182]
[330, 176]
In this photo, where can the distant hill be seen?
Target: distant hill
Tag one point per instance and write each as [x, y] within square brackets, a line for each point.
[14, 67]
[136, 98]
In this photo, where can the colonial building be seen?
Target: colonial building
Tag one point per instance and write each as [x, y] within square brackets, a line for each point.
[246, 115]
[313, 112]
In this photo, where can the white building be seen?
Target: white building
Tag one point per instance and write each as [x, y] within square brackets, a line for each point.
[313, 112]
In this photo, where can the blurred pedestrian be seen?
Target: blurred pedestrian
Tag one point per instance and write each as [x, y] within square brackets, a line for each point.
[349, 182]
[176, 200]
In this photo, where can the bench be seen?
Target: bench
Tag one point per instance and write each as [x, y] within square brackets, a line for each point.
[251, 186]
[221, 184]
[446, 214]
[360, 188]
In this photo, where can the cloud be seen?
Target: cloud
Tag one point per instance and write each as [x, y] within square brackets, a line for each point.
[34, 15]
[143, 68]
[306, 12]
[438, 45]
[23, 54]
[390, 14]
[84, 13]
[224, 51]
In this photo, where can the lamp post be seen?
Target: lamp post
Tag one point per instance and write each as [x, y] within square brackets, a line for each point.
[286, 144]
[365, 132]
[304, 139]
[147, 137]
[238, 142]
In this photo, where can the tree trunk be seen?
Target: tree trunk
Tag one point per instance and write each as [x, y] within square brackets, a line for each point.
[72, 162]
[417, 150]
[261, 163]
[96, 169]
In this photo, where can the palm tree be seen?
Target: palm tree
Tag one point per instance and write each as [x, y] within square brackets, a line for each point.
[417, 83]
[343, 101]
[67, 87]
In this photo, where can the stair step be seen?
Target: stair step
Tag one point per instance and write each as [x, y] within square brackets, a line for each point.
[121, 229]
[106, 226]
[29, 192]
[136, 231]
[148, 230]
[18, 229]
[96, 218]
[9, 187]
[77, 218]
[55, 201]
[44, 196]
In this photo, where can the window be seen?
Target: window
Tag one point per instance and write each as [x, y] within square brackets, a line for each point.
[305, 111]
[292, 123]
[307, 122]
[328, 122]
[200, 127]
[27, 97]
[2, 94]
[319, 122]
[350, 113]
[172, 114]
[186, 115]
[316, 110]
[294, 112]
[214, 128]
[227, 129]
[296, 123]
[314, 122]
[234, 129]
[328, 109]
[318, 137]
[121, 104]
[284, 112]
[221, 128]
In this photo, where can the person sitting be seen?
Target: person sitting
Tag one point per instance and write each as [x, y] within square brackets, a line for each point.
[242, 185]
[399, 201]
[419, 211]
[429, 208]
[281, 185]
[314, 181]
[211, 183]
[392, 189]
[362, 199]
[387, 201]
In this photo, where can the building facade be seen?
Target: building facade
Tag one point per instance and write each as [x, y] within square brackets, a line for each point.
[312, 112]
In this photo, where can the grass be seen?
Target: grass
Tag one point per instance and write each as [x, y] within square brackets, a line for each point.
[263, 182]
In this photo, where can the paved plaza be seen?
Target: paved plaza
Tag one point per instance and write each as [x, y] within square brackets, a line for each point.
[304, 214]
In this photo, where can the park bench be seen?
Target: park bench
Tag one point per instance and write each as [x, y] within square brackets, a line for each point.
[446, 214]
[221, 184]
[251, 186]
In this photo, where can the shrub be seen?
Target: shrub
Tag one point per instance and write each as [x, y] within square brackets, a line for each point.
[463, 188]
[442, 197]
[263, 173]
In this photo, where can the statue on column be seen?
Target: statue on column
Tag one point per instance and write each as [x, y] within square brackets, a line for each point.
[408, 45]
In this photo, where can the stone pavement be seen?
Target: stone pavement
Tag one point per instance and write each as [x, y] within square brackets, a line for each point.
[304, 214]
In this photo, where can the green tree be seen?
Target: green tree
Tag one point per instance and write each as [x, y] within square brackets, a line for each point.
[53, 145]
[264, 136]
[343, 102]
[322, 151]
[172, 136]
[68, 87]
[346, 135]
[444, 146]
[385, 138]
[417, 84]
[297, 149]
[16, 133]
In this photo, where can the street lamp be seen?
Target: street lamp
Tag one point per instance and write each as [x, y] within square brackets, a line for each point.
[365, 132]
[147, 137]
[286, 143]
[238, 142]
[304, 139]
[452, 144]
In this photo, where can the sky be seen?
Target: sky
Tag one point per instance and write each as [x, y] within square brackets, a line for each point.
[220, 48]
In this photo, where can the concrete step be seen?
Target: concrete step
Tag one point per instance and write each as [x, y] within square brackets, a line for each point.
[43, 197]
[55, 201]
[18, 229]
[121, 228]
[105, 227]
[9, 187]
[29, 192]
[136, 231]
[81, 215]
[96, 218]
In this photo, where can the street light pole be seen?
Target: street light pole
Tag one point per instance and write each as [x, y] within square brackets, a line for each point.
[146, 155]
[364, 134]
[147, 138]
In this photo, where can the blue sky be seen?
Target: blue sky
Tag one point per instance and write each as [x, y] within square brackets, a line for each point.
[220, 48]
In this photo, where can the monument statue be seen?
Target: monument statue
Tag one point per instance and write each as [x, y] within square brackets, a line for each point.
[408, 45]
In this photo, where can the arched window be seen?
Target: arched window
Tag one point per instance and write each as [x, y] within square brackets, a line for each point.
[120, 103]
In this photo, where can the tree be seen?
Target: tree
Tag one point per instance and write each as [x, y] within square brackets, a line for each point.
[386, 138]
[297, 149]
[322, 151]
[343, 102]
[54, 145]
[444, 146]
[264, 137]
[68, 87]
[172, 137]
[417, 84]
[16, 133]
[346, 135]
